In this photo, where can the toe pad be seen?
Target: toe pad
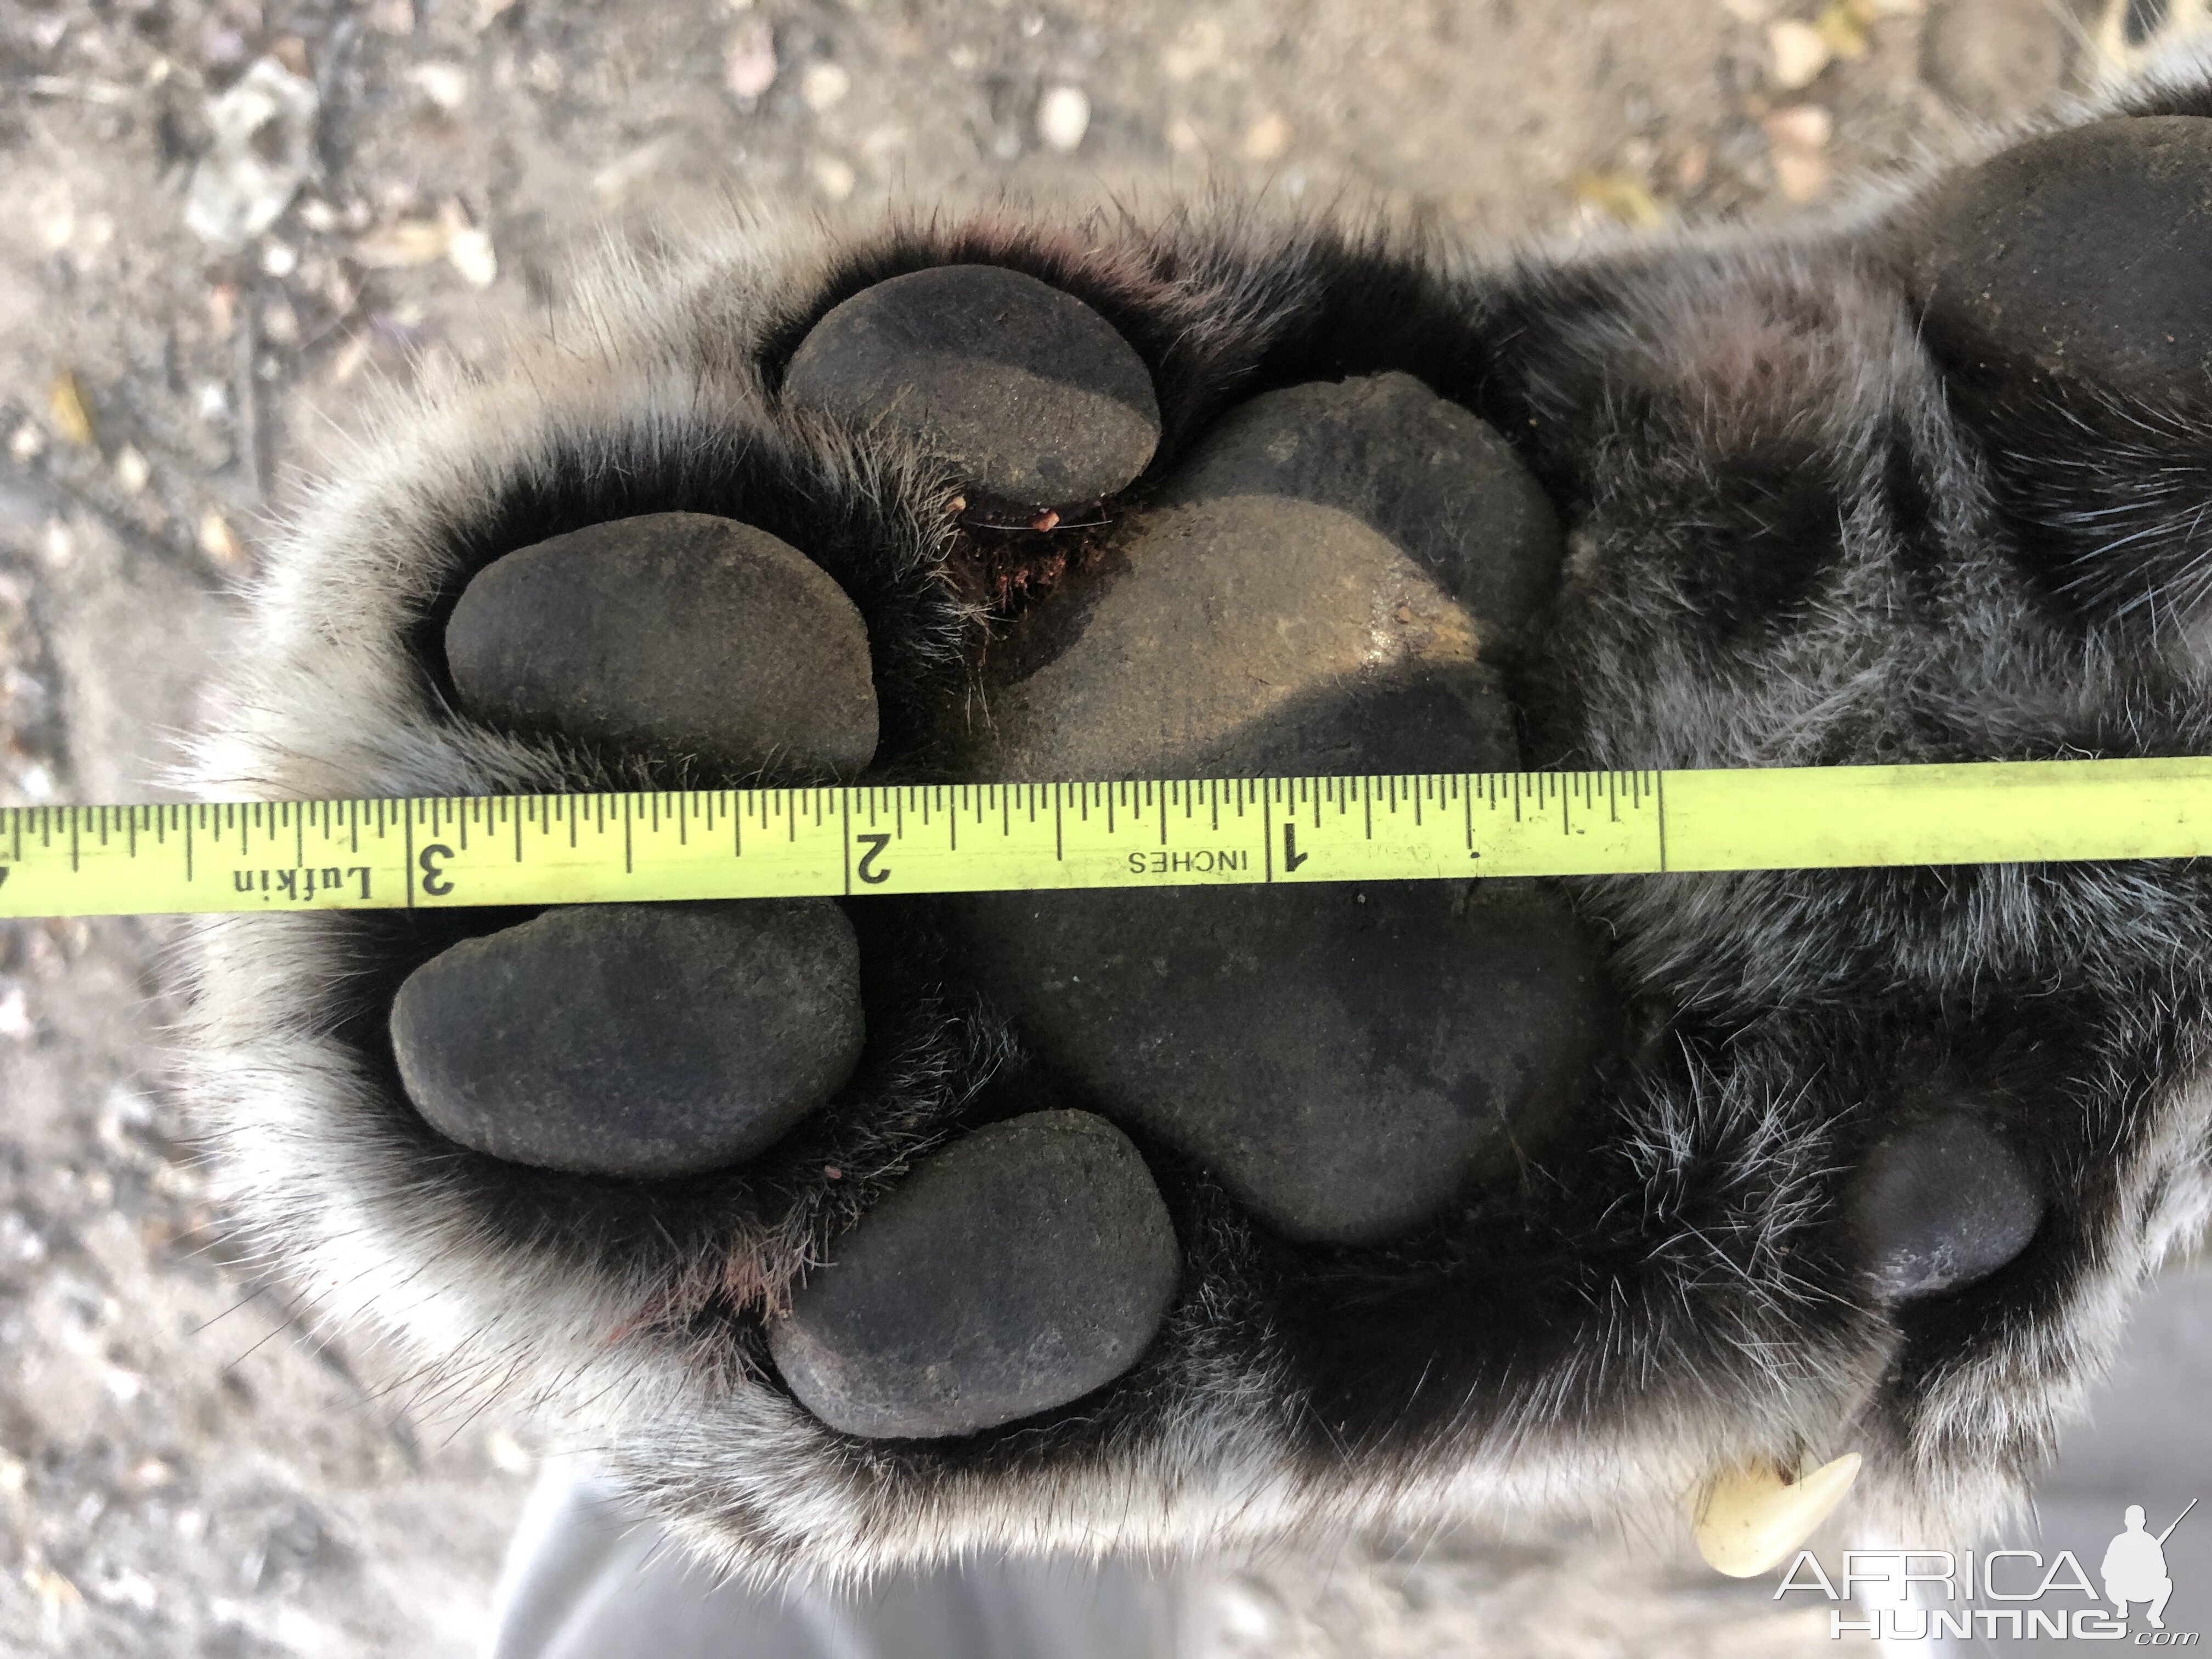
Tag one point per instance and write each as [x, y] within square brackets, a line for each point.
[2080, 256]
[1940, 1204]
[673, 635]
[634, 1039]
[1017, 1270]
[1026, 389]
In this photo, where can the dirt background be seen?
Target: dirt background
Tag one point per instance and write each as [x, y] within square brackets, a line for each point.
[220, 221]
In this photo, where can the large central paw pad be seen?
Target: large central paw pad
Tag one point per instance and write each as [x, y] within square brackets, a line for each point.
[1330, 580]
[1313, 592]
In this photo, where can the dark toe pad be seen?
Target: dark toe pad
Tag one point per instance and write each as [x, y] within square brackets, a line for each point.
[1026, 390]
[1017, 1270]
[675, 635]
[1940, 1203]
[2080, 256]
[634, 1039]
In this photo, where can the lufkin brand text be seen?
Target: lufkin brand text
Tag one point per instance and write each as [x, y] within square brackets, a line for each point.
[2021, 1576]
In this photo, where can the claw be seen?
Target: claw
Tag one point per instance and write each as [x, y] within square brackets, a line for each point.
[1751, 1517]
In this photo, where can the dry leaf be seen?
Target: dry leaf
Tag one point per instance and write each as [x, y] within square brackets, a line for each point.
[408, 242]
[66, 405]
[1844, 28]
[1621, 197]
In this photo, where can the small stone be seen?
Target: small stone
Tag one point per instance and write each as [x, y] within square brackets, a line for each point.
[639, 1040]
[1804, 127]
[468, 246]
[403, 243]
[833, 176]
[1266, 138]
[749, 61]
[218, 541]
[2079, 255]
[674, 635]
[1025, 389]
[444, 86]
[1941, 1203]
[1799, 135]
[261, 151]
[470, 252]
[1801, 53]
[1344, 1061]
[1063, 117]
[823, 86]
[133, 471]
[1995, 59]
[1015, 1271]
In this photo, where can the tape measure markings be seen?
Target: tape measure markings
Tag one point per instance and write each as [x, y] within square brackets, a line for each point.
[551, 849]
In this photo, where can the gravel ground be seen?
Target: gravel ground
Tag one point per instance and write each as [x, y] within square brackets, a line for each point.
[219, 222]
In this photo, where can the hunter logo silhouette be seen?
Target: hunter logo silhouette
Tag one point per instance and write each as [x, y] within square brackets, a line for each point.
[2134, 1566]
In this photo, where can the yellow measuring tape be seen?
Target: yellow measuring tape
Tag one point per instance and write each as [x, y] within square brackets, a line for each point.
[578, 849]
